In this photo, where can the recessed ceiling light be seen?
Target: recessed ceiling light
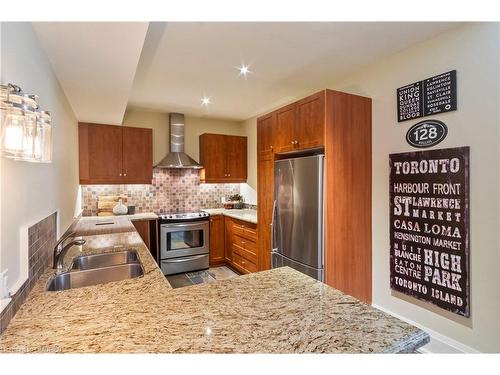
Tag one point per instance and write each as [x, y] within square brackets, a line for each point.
[205, 100]
[244, 70]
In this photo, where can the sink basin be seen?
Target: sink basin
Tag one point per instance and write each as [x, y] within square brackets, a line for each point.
[78, 279]
[87, 262]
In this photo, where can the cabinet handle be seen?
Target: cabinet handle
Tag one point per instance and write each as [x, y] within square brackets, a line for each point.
[229, 175]
[125, 174]
[120, 174]
[293, 142]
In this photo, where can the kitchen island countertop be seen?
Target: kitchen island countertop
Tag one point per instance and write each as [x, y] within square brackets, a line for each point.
[275, 311]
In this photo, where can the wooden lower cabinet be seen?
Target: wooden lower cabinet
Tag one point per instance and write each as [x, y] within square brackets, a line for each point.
[233, 242]
[243, 244]
[148, 230]
[228, 236]
[217, 241]
[142, 227]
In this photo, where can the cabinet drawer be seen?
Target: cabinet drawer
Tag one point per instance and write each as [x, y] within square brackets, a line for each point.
[248, 245]
[244, 264]
[245, 230]
[245, 252]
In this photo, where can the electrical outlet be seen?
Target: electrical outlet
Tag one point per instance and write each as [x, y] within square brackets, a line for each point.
[4, 291]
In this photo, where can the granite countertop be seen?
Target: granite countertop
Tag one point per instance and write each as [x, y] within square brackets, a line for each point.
[275, 311]
[243, 214]
[92, 225]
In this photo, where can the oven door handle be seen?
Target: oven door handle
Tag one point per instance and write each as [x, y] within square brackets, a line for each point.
[190, 225]
[185, 259]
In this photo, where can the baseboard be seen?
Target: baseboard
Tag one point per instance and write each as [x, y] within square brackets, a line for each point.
[439, 343]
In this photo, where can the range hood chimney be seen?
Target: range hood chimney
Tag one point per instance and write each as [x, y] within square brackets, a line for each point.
[176, 158]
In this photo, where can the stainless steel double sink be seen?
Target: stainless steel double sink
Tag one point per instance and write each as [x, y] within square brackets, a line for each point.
[87, 270]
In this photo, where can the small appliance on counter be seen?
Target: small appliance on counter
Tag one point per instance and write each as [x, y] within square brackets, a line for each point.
[107, 203]
[184, 242]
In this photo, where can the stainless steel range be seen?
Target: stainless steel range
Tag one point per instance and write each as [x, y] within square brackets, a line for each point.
[184, 242]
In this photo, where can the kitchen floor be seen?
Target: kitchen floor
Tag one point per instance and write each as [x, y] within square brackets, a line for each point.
[201, 277]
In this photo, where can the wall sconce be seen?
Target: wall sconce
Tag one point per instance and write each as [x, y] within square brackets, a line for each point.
[25, 132]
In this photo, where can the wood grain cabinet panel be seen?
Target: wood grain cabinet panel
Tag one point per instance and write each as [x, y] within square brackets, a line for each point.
[217, 240]
[100, 151]
[310, 122]
[236, 158]
[137, 155]
[213, 157]
[223, 157]
[265, 199]
[285, 125]
[143, 228]
[341, 123]
[228, 236]
[110, 154]
[266, 129]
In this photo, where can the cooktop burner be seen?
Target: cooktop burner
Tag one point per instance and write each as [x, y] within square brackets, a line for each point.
[188, 216]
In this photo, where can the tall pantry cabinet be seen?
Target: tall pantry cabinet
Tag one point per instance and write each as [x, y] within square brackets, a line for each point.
[341, 124]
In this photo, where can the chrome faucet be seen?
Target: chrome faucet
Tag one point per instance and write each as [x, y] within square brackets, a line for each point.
[59, 254]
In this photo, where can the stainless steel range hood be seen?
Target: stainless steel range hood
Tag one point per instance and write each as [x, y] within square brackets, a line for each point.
[176, 158]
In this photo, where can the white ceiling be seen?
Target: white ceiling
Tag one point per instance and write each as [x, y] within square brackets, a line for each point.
[181, 62]
[95, 64]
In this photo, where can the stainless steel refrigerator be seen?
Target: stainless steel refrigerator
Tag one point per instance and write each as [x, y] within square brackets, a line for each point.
[297, 222]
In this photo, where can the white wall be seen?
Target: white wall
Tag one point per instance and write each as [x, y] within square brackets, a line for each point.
[31, 191]
[473, 50]
[195, 126]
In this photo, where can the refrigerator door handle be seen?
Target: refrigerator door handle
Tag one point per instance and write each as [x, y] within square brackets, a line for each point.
[273, 248]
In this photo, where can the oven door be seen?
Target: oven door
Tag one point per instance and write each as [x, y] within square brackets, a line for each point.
[183, 239]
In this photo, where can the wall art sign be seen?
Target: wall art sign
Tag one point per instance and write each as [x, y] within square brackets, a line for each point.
[426, 133]
[431, 96]
[429, 226]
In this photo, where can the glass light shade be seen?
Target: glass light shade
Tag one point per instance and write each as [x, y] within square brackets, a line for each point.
[13, 141]
[43, 141]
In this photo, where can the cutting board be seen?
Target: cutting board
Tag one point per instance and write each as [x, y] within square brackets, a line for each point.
[105, 204]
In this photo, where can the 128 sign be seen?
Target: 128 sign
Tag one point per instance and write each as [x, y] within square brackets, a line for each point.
[426, 133]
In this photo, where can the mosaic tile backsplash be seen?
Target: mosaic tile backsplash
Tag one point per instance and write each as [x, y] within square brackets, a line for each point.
[172, 190]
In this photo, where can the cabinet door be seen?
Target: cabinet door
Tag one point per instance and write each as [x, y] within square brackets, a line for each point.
[236, 158]
[266, 133]
[228, 245]
[217, 251]
[137, 155]
[265, 200]
[100, 153]
[285, 124]
[310, 121]
[142, 227]
[213, 157]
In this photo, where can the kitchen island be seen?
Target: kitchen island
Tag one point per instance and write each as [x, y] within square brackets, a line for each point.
[275, 311]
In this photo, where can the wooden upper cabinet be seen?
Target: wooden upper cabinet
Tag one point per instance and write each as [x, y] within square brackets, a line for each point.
[285, 125]
[137, 155]
[213, 155]
[110, 154]
[100, 153]
[223, 157]
[265, 133]
[310, 122]
[236, 158]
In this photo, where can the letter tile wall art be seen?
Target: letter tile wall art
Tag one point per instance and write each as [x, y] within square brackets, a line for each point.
[429, 226]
